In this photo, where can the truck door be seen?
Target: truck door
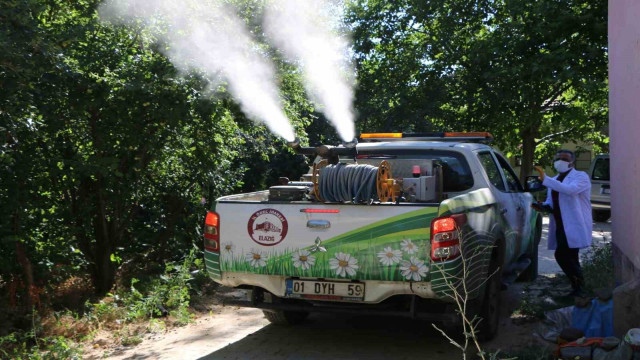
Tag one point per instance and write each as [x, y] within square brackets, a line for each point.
[522, 202]
[506, 203]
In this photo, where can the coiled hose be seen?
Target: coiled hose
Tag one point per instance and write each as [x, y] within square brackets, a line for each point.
[348, 183]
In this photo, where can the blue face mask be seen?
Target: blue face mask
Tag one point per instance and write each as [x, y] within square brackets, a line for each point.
[562, 166]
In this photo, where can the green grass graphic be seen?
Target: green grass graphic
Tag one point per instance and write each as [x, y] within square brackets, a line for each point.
[365, 251]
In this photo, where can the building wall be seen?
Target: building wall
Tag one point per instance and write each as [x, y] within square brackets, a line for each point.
[624, 130]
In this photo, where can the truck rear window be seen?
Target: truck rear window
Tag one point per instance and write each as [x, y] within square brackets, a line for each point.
[455, 169]
[601, 170]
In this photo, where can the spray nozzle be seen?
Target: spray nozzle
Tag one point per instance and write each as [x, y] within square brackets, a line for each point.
[295, 144]
[350, 144]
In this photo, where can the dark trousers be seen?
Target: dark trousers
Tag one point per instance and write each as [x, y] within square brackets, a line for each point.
[568, 259]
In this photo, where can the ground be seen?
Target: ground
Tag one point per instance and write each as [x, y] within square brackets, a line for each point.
[243, 333]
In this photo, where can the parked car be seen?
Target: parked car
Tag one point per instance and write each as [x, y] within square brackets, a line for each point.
[600, 188]
[307, 253]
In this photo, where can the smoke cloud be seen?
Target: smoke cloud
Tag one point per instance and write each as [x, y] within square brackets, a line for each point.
[209, 36]
[302, 29]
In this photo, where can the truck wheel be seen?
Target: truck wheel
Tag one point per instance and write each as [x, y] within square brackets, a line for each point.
[601, 215]
[531, 273]
[283, 317]
[490, 306]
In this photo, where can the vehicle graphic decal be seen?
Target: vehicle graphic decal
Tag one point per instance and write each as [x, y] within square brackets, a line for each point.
[267, 227]
[393, 249]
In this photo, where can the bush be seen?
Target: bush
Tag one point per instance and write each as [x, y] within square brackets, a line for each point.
[168, 294]
[597, 267]
[157, 296]
[20, 346]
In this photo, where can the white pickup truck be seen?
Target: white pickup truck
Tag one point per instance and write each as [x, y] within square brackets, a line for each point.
[387, 239]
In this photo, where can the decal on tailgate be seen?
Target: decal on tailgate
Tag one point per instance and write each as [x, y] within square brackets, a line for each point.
[267, 227]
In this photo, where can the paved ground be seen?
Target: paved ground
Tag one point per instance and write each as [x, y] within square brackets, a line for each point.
[547, 263]
[240, 333]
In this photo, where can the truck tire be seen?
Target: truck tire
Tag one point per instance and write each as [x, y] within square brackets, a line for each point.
[485, 307]
[283, 317]
[531, 273]
[601, 215]
[489, 310]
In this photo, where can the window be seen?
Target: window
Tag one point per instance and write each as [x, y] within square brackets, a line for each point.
[491, 168]
[456, 173]
[601, 170]
[513, 183]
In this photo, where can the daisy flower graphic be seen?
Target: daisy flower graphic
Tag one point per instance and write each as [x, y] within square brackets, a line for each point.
[389, 256]
[408, 246]
[256, 259]
[228, 248]
[413, 269]
[344, 264]
[303, 259]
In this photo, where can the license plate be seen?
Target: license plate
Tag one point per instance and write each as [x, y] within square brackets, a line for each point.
[325, 290]
[606, 191]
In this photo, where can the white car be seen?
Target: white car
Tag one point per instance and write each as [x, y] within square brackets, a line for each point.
[600, 188]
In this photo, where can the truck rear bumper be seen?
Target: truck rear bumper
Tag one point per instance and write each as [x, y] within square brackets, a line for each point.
[260, 301]
[376, 291]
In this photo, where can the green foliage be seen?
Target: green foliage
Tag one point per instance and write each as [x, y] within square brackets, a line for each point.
[130, 340]
[108, 150]
[529, 72]
[159, 295]
[530, 307]
[597, 267]
[21, 346]
[170, 291]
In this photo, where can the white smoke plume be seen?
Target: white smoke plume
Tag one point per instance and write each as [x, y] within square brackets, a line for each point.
[209, 36]
[303, 30]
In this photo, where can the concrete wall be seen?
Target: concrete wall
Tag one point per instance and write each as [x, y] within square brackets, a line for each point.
[624, 129]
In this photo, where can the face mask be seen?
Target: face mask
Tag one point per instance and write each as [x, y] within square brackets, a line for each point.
[561, 166]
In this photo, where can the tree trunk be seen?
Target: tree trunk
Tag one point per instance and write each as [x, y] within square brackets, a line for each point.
[104, 273]
[27, 270]
[106, 243]
[528, 152]
[104, 270]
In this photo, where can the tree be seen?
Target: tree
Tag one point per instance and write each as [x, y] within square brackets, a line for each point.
[107, 149]
[530, 72]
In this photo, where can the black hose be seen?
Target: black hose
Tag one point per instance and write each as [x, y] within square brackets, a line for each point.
[348, 183]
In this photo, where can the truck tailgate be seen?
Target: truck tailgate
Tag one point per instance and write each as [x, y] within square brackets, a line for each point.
[329, 241]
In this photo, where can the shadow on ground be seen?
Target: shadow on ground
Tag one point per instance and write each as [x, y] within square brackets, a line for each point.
[329, 336]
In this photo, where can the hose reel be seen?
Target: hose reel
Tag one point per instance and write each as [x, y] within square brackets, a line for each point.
[354, 183]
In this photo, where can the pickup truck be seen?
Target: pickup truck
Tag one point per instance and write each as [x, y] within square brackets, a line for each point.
[401, 254]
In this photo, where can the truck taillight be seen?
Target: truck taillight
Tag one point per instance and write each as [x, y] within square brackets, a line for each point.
[445, 237]
[212, 232]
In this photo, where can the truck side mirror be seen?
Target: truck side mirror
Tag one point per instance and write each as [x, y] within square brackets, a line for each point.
[533, 184]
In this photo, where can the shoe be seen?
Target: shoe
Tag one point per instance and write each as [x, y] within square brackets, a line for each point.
[576, 285]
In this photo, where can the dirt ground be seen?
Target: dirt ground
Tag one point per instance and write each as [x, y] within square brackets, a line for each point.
[243, 333]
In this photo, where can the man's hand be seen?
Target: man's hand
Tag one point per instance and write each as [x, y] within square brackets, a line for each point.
[541, 207]
[541, 172]
[537, 206]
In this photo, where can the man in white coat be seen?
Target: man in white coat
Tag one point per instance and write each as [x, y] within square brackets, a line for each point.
[570, 221]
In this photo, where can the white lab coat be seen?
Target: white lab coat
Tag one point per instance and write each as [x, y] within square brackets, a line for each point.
[575, 206]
